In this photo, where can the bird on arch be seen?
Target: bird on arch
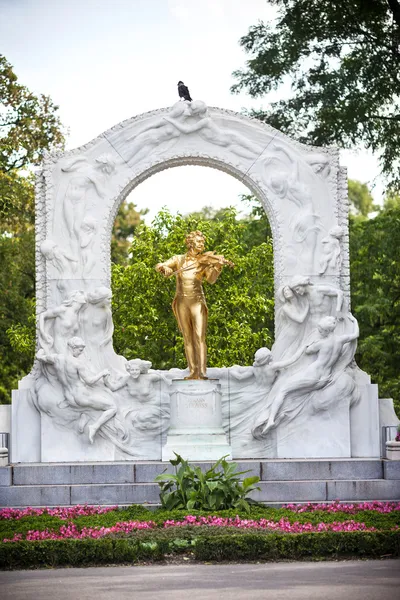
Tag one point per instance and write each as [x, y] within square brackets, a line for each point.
[183, 91]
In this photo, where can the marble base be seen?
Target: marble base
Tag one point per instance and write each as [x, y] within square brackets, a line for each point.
[3, 457]
[196, 431]
[364, 424]
[325, 434]
[393, 450]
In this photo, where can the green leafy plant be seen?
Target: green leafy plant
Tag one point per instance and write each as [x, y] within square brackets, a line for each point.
[218, 488]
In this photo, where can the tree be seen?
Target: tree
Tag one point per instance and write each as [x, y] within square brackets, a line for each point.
[29, 124]
[17, 310]
[375, 285]
[342, 61]
[361, 201]
[241, 302]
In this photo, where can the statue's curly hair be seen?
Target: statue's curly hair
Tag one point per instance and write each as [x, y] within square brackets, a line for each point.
[190, 237]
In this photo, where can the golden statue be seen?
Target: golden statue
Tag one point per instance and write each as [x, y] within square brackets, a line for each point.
[189, 305]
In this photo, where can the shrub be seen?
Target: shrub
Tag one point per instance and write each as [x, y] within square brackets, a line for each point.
[219, 488]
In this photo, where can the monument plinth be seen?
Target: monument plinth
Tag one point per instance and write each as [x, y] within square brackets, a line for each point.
[195, 430]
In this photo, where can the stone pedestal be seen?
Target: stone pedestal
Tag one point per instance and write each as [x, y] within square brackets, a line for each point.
[195, 430]
[393, 450]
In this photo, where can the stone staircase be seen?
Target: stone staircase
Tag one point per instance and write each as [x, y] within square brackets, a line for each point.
[282, 481]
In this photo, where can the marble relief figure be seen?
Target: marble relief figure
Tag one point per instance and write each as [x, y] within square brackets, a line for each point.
[291, 319]
[82, 182]
[209, 131]
[285, 177]
[98, 328]
[77, 381]
[292, 393]
[63, 261]
[87, 236]
[57, 325]
[331, 259]
[139, 380]
[322, 299]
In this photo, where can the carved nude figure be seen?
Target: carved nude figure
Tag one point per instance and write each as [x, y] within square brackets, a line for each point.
[319, 298]
[86, 176]
[87, 236]
[62, 260]
[138, 381]
[265, 370]
[98, 329]
[317, 375]
[284, 178]
[156, 133]
[58, 324]
[77, 380]
[331, 257]
[210, 132]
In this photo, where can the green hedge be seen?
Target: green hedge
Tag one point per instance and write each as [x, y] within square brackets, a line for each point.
[370, 518]
[205, 545]
[311, 546]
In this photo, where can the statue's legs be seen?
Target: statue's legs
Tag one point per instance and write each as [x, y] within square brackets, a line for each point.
[199, 314]
[191, 315]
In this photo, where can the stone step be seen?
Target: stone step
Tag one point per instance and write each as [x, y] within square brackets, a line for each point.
[145, 472]
[125, 483]
[148, 493]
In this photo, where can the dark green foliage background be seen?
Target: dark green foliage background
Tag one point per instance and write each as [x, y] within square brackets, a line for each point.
[241, 302]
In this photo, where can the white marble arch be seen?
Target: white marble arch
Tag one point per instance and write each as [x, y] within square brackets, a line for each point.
[303, 189]
[78, 193]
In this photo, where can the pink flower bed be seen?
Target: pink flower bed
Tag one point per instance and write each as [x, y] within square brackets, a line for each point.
[352, 509]
[71, 531]
[282, 526]
[62, 512]
[67, 513]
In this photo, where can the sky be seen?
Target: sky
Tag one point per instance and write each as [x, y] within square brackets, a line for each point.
[103, 61]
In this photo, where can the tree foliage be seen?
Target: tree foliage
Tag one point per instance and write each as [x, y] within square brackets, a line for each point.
[375, 285]
[361, 201]
[342, 61]
[17, 309]
[241, 301]
[29, 124]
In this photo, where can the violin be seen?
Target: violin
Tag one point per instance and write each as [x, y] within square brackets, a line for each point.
[207, 259]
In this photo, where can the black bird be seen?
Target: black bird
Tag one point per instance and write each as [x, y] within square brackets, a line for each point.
[183, 91]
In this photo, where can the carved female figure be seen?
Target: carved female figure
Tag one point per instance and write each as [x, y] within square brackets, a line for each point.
[57, 325]
[62, 260]
[156, 133]
[315, 376]
[98, 329]
[331, 257]
[260, 377]
[265, 370]
[85, 178]
[291, 320]
[210, 132]
[138, 381]
[87, 236]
